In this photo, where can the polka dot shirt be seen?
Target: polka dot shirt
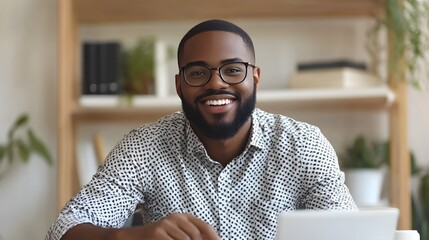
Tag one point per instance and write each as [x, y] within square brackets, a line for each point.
[163, 168]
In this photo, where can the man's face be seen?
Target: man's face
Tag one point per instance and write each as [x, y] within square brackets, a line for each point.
[217, 109]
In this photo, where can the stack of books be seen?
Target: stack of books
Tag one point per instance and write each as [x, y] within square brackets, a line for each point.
[101, 68]
[335, 74]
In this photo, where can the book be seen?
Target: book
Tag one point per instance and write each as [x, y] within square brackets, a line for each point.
[331, 64]
[109, 67]
[101, 68]
[344, 77]
[89, 68]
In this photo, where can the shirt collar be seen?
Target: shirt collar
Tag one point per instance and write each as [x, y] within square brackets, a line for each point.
[257, 134]
[194, 145]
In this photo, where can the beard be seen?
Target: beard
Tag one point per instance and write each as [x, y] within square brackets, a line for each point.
[221, 130]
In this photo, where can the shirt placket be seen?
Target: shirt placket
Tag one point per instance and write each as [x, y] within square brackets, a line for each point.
[225, 193]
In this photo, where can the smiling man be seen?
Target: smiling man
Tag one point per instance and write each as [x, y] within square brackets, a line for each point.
[217, 84]
[222, 169]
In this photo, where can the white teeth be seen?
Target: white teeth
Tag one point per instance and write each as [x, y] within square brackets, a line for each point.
[218, 102]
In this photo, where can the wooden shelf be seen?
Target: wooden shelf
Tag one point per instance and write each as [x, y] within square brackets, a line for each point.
[358, 98]
[103, 11]
[121, 114]
[110, 109]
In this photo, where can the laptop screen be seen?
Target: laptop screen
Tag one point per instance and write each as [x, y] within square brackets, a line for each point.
[368, 224]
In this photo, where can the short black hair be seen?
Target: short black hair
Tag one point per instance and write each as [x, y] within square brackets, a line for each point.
[215, 25]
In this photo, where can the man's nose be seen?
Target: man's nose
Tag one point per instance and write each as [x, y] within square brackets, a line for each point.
[215, 81]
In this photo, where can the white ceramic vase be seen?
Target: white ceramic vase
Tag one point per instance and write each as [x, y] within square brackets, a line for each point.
[365, 185]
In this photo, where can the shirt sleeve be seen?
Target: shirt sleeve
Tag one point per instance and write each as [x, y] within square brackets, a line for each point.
[110, 197]
[324, 180]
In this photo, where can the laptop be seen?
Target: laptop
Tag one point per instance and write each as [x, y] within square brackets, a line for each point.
[366, 224]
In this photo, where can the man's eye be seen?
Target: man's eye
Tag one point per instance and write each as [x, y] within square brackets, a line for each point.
[197, 74]
[233, 71]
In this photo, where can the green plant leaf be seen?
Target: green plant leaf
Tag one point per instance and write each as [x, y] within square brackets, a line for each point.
[39, 148]
[138, 66]
[2, 152]
[19, 122]
[22, 119]
[363, 154]
[381, 153]
[9, 150]
[406, 22]
[424, 193]
[415, 169]
[23, 150]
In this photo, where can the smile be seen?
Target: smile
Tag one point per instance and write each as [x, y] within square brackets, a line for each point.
[218, 102]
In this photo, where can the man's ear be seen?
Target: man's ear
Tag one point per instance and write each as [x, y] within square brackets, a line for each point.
[256, 76]
[178, 87]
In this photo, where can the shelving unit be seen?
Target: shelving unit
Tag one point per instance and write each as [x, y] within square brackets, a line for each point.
[74, 111]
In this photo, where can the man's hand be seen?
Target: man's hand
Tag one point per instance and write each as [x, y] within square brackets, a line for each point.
[179, 226]
[173, 227]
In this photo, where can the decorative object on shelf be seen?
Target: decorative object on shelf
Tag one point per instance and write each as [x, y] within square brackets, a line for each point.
[364, 173]
[339, 73]
[342, 77]
[24, 148]
[139, 69]
[330, 64]
[407, 21]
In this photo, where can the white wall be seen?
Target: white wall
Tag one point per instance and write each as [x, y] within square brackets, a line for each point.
[28, 83]
[418, 124]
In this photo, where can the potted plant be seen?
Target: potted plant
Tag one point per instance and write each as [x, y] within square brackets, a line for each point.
[364, 173]
[421, 218]
[420, 199]
[138, 67]
[17, 146]
[407, 23]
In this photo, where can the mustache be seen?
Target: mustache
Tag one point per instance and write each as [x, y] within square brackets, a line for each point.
[211, 92]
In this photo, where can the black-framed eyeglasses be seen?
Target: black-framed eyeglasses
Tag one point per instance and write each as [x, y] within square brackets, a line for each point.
[231, 73]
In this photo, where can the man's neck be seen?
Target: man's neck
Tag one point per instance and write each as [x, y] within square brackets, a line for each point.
[225, 150]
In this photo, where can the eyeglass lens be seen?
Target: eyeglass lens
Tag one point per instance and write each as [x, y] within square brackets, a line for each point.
[231, 73]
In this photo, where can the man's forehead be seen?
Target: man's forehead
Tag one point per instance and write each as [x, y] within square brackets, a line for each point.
[221, 43]
[213, 37]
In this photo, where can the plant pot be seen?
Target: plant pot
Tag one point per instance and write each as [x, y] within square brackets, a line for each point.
[143, 86]
[365, 185]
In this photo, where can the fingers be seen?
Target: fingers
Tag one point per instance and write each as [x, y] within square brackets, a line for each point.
[187, 226]
[190, 230]
[206, 231]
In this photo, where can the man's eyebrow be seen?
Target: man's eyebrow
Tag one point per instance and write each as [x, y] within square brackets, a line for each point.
[197, 63]
[229, 60]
